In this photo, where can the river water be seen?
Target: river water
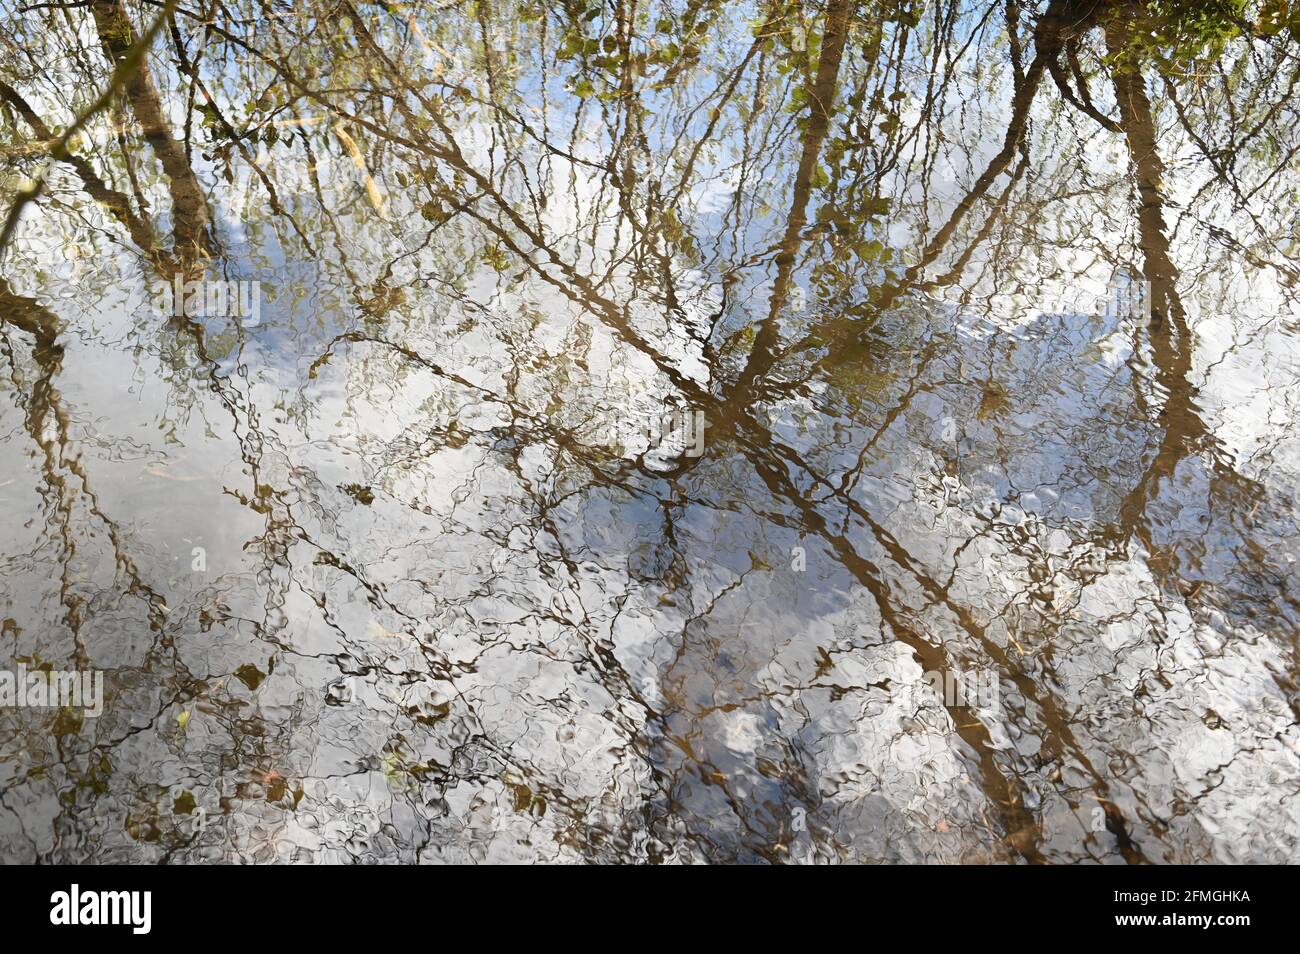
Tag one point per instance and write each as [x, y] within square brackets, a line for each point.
[640, 437]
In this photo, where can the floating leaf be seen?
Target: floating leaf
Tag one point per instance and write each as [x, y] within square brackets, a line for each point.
[250, 676]
[360, 493]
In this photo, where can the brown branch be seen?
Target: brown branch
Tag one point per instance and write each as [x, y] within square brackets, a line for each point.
[132, 58]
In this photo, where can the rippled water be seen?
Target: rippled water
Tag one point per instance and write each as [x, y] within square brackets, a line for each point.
[648, 410]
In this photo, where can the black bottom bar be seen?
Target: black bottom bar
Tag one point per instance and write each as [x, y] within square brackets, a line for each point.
[389, 905]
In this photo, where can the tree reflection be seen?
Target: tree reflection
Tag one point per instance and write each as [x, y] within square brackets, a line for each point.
[448, 617]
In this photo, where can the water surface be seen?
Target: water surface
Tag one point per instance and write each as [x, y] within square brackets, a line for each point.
[987, 312]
